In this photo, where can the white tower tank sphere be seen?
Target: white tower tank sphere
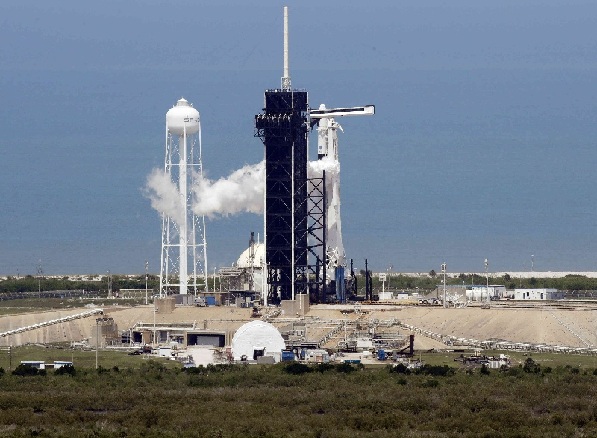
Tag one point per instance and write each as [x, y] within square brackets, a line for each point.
[182, 116]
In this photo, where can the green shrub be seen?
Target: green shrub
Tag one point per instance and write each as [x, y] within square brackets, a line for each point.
[296, 368]
[26, 370]
[323, 367]
[66, 370]
[194, 370]
[217, 368]
[515, 372]
[152, 366]
[530, 366]
[344, 368]
[436, 370]
[400, 369]
[430, 383]
[484, 371]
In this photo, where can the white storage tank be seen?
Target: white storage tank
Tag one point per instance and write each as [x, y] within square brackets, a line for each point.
[182, 118]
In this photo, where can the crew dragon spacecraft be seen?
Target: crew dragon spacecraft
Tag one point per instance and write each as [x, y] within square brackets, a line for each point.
[327, 149]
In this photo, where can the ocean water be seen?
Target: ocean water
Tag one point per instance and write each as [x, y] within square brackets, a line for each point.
[437, 174]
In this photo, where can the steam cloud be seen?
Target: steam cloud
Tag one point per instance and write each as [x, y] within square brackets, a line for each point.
[241, 191]
[329, 164]
[164, 195]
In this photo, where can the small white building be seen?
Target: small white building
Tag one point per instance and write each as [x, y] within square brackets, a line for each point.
[317, 356]
[165, 352]
[385, 296]
[41, 365]
[538, 294]
[479, 293]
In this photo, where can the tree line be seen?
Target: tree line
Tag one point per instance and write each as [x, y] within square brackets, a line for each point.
[30, 283]
[423, 283]
[433, 280]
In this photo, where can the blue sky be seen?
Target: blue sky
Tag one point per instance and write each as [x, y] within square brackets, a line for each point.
[483, 145]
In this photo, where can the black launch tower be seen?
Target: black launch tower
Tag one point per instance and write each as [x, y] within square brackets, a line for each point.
[283, 127]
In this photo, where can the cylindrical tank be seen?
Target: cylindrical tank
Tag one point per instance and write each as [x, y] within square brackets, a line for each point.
[182, 116]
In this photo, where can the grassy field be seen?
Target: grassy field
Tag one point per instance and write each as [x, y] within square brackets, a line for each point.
[29, 305]
[517, 358]
[133, 397]
[110, 358]
[80, 358]
[26, 305]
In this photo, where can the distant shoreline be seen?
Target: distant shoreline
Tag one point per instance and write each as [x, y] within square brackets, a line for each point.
[528, 274]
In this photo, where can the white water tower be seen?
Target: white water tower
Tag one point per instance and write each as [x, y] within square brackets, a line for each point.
[184, 248]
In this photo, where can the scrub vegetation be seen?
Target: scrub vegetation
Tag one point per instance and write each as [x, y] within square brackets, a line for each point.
[572, 284]
[99, 287]
[30, 283]
[297, 400]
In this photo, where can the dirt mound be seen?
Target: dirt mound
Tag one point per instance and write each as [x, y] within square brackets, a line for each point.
[541, 325]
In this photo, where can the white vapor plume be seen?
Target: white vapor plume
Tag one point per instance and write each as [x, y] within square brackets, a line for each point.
[164, 195]
[241, 191]
[329, 164]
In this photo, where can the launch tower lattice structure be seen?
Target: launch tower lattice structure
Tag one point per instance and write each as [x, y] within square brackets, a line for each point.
[184, 247]
[283, 128]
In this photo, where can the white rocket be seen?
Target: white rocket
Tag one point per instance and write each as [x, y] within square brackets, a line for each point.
[327, 149]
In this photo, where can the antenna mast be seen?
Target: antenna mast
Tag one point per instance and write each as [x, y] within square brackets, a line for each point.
[286, 77]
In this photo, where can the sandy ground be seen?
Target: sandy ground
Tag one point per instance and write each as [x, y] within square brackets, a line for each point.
[544, 325]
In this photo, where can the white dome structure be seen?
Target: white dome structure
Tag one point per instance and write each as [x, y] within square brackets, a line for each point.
[257, 338]
[244, 261]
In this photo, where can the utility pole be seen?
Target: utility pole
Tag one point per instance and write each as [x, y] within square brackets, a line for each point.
[487, 277]
[390, 274]
[444, 272]
[40, 272]
[215, 279]
[146, 268]
[366, 282]
[153, 340]
[96, 341]
[109, 284]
